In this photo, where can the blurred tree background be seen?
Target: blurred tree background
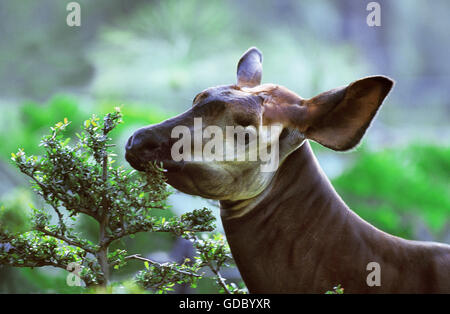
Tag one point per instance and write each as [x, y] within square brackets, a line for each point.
[152, 57]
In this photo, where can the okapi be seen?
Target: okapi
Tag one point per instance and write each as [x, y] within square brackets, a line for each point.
[288, 229]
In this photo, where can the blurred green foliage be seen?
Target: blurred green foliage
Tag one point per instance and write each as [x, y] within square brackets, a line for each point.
[26, 124]
[14, 211]
[169, 63]
[29, 122]
[398, 189]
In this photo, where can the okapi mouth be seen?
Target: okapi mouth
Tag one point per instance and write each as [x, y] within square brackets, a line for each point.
[141, 151]
[171, 166]
[134, 162]
[140, 165]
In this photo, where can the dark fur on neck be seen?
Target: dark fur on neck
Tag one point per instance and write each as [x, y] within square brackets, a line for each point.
[302, 238]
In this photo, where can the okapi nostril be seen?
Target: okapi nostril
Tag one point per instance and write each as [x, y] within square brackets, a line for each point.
[129, 143]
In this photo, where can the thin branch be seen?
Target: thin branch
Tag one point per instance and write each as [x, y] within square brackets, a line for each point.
[125, 233]
[60, 217]
[139, 257]
[220, 279]
[37, 264]
[44, 195]
[44, 187]
[102, 253]
[67, 240]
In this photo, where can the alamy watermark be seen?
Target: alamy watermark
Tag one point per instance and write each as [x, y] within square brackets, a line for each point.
[374, 277]
[374, 17]
[74, 17]
[73, 279]
[239, 143]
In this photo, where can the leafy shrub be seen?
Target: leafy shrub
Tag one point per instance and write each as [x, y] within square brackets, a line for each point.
[82, 180]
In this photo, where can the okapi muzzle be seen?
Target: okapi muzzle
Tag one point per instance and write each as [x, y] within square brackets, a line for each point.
[288, 229]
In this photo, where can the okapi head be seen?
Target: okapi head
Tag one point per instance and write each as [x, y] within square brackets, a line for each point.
[264, 118]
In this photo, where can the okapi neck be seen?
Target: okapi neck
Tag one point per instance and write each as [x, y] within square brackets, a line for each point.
[299, 209]
[301, 176]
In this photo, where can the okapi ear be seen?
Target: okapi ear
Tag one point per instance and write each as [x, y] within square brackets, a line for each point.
[339, 118]
[249, 69]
